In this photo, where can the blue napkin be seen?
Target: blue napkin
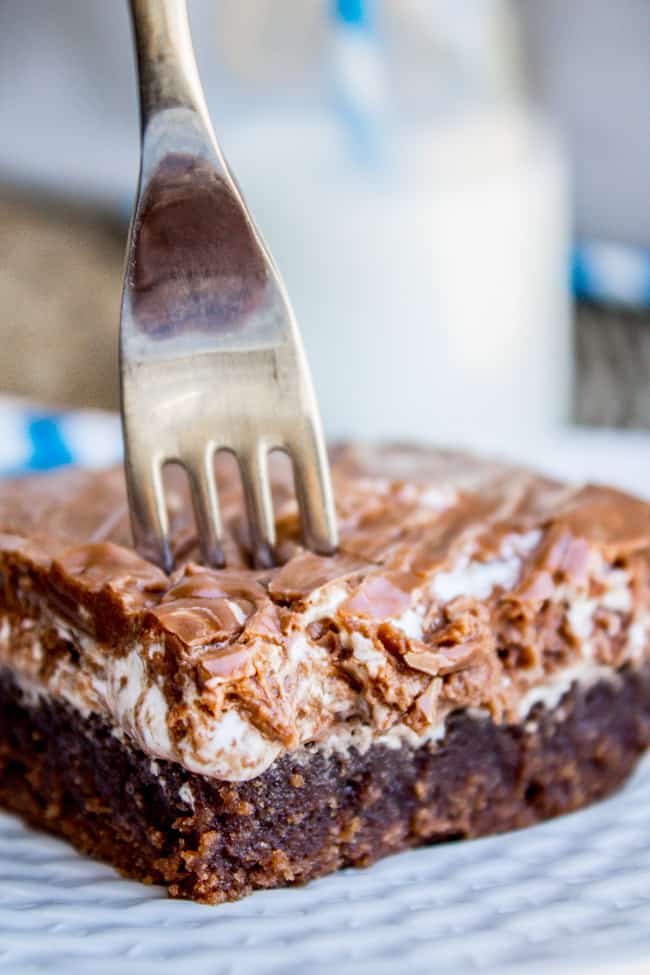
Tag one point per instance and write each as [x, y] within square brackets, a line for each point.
[40, 439]
[609, 272]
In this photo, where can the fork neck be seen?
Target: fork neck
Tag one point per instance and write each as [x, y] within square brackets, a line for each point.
[167, 71]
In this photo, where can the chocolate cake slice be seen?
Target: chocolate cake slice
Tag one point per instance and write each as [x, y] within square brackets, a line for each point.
[475, 658]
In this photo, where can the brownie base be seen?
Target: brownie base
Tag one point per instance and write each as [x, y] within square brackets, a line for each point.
[305, 818]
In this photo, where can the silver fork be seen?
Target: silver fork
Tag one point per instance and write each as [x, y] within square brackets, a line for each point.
[210, 353]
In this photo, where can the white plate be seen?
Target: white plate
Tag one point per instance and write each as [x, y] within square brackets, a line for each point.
[572, 895]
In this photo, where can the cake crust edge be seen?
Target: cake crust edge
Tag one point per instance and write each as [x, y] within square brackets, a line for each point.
[213, 841]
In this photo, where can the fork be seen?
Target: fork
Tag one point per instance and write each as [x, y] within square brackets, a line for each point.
[210, 354]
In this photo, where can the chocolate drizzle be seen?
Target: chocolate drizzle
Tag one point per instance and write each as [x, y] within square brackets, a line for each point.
[459, 583]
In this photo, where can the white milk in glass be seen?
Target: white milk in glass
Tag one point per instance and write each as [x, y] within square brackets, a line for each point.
[433, 298]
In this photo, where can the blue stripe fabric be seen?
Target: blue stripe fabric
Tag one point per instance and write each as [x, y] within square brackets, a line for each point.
[32, 439]
[48, 448]
[614, 273]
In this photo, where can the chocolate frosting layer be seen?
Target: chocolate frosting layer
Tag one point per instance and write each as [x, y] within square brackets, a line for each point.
[459, 583]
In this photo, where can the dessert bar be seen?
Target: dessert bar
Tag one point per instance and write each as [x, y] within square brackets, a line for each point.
[475, 658]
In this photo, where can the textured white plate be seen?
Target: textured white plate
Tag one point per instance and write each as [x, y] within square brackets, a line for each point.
[571, 895]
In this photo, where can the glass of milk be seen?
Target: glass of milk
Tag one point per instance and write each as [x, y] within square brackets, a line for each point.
[430, 284]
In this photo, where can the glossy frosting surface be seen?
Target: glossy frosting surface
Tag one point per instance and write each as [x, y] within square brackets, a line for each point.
[459, 583]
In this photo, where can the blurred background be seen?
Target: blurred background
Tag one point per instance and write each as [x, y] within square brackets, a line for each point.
[456, 192]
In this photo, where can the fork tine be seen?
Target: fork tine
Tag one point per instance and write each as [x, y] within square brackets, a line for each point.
[149, 520]
[205, 502]
[259, 504]
[208, 338]
[314, 490]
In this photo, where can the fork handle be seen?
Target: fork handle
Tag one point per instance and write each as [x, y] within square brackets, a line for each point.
[167, 72]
